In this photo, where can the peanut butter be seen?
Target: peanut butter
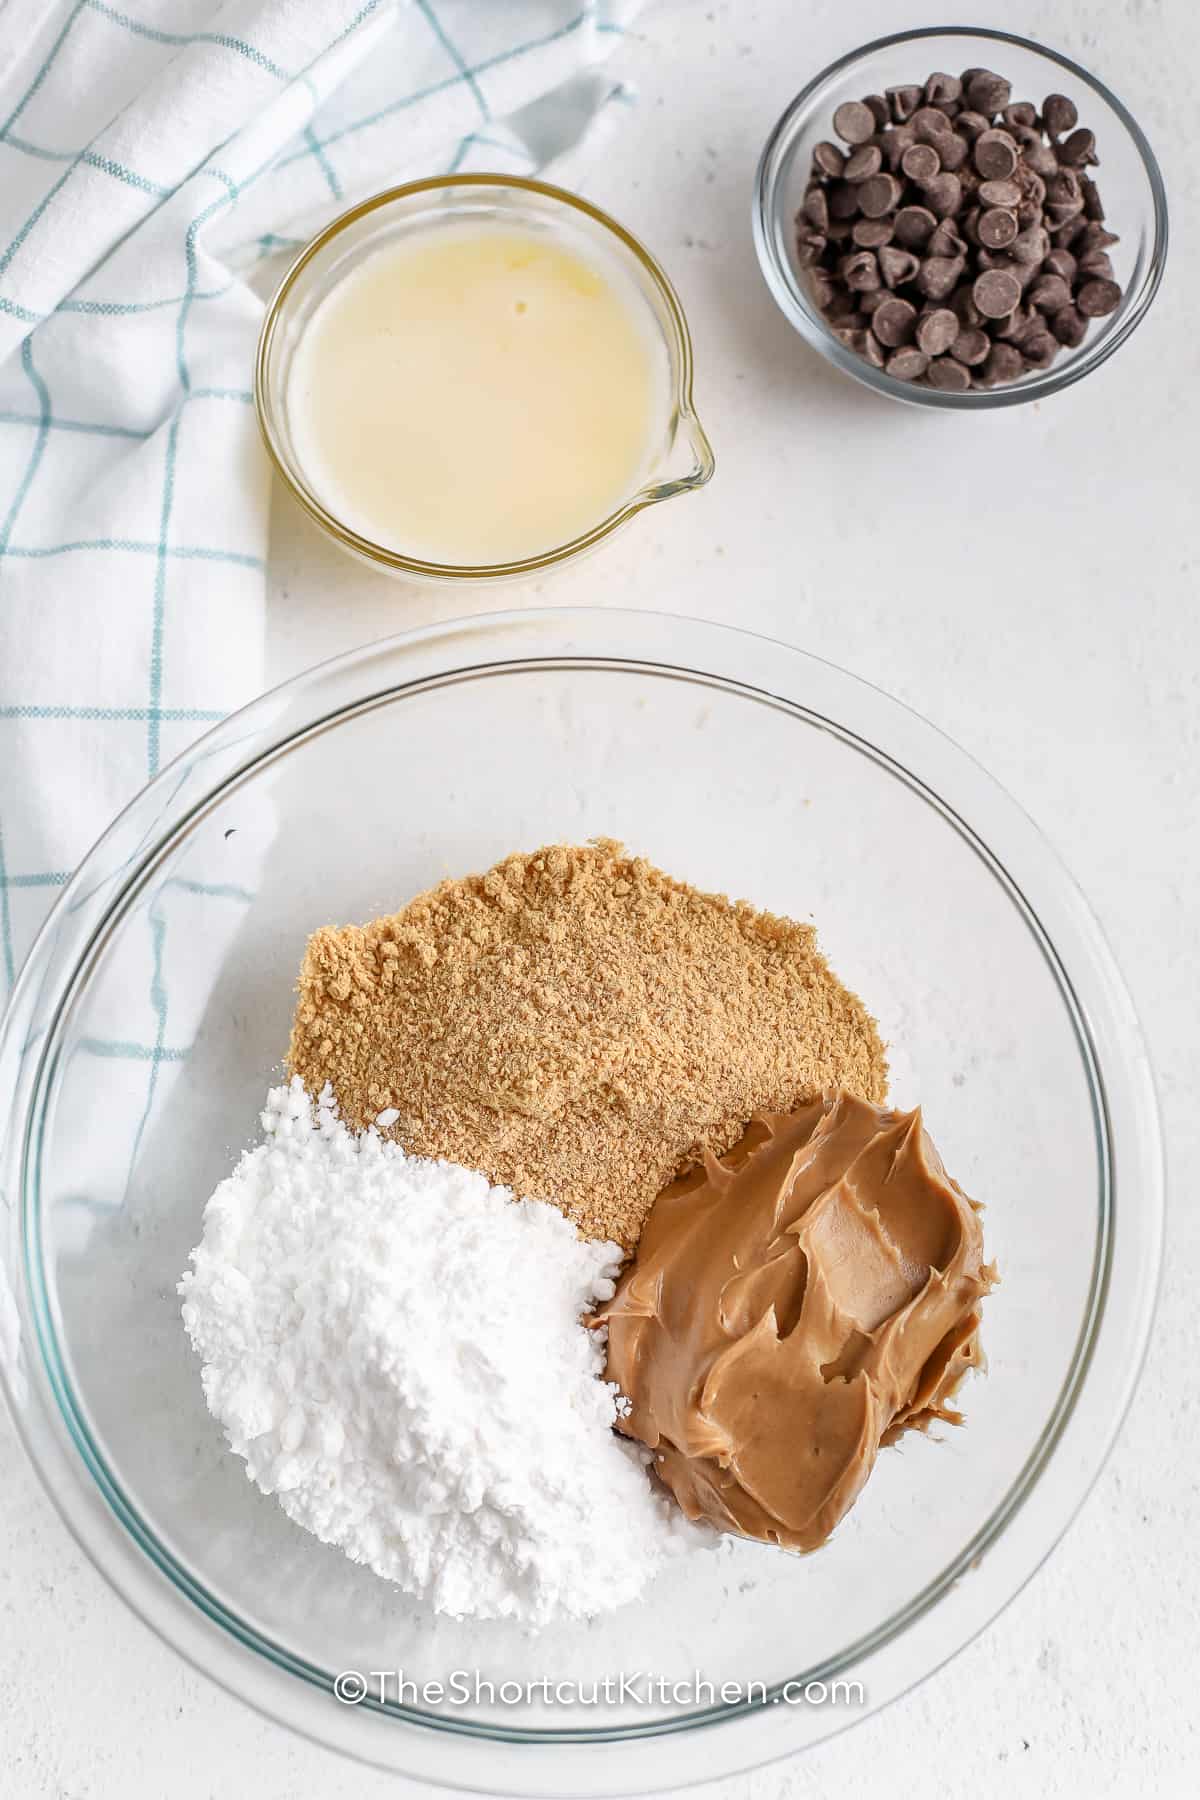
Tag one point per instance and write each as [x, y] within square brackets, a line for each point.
[792, 1307]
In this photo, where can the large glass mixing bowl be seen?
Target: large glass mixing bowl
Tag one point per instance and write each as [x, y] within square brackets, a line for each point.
[155, 1009]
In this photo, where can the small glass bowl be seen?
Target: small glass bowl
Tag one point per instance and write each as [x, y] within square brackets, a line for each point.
[683, 458]
[1130, 181]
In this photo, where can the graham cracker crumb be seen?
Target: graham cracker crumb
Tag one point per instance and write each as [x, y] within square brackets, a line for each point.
[577, 1025]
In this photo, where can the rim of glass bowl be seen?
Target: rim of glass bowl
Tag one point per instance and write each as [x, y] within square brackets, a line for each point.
[777, 270]
[683, 413]
[1086, 1414]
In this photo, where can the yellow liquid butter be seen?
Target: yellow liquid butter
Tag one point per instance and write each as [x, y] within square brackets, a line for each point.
[477, 394]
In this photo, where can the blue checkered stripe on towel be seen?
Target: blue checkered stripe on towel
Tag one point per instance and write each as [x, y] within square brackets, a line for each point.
[149, 161]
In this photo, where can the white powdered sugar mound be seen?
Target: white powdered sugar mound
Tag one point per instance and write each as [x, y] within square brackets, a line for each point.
[395, 1349]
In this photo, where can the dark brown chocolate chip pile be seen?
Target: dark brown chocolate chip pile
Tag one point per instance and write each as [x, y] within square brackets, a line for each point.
[959, 241]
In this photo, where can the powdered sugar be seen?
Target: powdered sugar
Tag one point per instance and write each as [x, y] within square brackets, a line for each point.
[395, 1349]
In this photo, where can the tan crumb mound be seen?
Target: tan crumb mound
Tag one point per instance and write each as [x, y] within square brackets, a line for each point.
[577, 1025]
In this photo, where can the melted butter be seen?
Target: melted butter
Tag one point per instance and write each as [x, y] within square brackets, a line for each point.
[477, 394]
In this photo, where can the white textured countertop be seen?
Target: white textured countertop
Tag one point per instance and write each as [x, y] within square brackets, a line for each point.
[1028, 581]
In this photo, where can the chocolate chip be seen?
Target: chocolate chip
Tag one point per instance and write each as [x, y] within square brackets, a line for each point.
[1040, 158]
[1065, 222]
[897, 266]
[953, 152]
[1096, 263]
[988, 93]
[995, 155]
[894, 143]
[878, 107]
[1096, 299]
[828, 160]
[822, 289]
[921, 163]
[914, 225]
[810, 248]
[937, 330]
[1036, 326]
[1069, 327]
[971, 346]
[946, 241]
[843, 200]
[971, 125]
[1000, 193]
[1071, 237]
[938, 276]
[1050, 293]
[1093, 205]
[1064, 188]
[930, 123]
[868, 160]
[1095, 237]
[872, 234]
[943, 372]
[904, 102]
[868, 302]
[1031, 245]
[1062, 216]
[1039, 349]
[997, 228]
[1004, 363]
[969, 180]
[943, 195]
[816, 209]
[963, 303]
[941, 87]
[873, 351]
[995, 293]
[1060, 262]
[894, 321]
[877, 195]
[1079, 149]
[860, 270]
[907, 363]
[1021, 117]
[1018, 324]
[854, 121]
[1059, 114]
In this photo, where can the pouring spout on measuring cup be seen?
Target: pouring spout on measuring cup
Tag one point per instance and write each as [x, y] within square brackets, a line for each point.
[688, 464]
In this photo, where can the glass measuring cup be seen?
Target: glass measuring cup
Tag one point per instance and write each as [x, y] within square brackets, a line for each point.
[681, 457]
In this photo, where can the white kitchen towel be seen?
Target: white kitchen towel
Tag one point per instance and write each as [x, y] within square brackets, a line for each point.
[152, 152]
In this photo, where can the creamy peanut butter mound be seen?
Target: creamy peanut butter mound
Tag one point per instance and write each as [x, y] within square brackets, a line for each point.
[577, 1025]
[792, 1307]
